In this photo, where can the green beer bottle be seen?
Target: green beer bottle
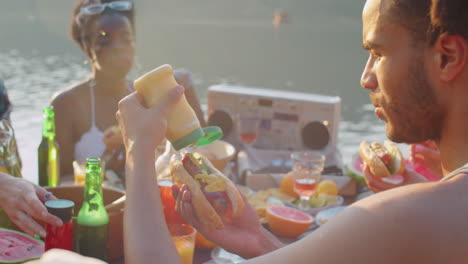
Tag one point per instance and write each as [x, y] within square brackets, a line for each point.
[93, 218]
[48, 152]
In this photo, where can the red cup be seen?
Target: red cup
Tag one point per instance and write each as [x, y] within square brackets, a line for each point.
[169, 203]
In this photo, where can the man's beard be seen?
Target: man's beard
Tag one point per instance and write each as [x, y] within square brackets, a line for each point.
[419, 116]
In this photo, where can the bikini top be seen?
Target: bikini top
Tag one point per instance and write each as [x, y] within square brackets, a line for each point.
[90, 144]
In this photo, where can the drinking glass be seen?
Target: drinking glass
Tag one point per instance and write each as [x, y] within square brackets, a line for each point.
[183, 236]
[247, 125]
[307, 168]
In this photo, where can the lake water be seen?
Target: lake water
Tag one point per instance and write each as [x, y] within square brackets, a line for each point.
[219, 41]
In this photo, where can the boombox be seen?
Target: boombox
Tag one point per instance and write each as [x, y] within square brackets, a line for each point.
[288, 120]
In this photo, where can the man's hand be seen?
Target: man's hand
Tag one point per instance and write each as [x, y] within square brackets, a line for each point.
[23, 202]
[142, 126]
[245, 236]
[377, 184]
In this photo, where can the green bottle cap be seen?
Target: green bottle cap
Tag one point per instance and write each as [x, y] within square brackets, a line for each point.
[188, 139]
[212, 133]
[199, 137]
[61, 208]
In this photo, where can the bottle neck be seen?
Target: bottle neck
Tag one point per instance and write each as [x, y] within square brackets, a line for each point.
[93, 186]
[93, 213]
[48, 128]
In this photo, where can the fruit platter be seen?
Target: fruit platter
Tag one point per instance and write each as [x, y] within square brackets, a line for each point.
[319, 202]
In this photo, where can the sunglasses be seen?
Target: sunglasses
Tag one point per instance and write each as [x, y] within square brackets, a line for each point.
[96, 9]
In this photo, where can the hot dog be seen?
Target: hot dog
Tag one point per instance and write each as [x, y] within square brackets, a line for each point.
[214, 197]
[383, 160]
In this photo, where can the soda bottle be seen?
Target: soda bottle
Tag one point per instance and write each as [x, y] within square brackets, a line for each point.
[48, 152]
[92, 218]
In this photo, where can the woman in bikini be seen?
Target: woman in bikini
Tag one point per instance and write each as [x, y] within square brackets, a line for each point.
[105, 32]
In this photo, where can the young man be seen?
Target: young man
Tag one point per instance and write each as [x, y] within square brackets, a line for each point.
[418, 84]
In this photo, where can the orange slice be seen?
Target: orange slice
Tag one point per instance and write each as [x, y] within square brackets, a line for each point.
[287, 186]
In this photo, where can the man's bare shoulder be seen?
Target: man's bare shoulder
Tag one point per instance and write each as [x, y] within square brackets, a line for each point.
[417, 199]
[427, 218]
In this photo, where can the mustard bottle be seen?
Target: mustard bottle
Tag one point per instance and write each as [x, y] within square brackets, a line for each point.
[183, 126]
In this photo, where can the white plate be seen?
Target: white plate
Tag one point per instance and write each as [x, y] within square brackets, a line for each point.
[314, 211]
[221, 256]
[326, 215]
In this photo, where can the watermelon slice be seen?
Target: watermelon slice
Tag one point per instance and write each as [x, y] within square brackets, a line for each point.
[17, 247]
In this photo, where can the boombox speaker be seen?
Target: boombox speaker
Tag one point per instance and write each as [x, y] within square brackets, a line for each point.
[288, 120]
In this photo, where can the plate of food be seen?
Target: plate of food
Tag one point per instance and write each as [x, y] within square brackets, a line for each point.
[260, 201]
[319, 203]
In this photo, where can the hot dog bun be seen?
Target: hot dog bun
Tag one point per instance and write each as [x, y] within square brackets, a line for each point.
[371, 154]
[214, 197]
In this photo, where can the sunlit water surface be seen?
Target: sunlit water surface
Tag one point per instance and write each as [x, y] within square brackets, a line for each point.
[218, 41]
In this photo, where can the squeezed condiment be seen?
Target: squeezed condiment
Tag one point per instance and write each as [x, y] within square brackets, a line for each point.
[183, 126]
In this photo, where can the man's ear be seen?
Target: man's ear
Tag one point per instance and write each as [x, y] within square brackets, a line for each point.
[451, 57]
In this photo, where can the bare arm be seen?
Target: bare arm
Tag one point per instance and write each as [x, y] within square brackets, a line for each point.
[184, 78]
[147, 239]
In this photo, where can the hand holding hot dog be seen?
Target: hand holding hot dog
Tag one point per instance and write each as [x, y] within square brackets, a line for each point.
[215, 198]
[244, 236]
[384, 167]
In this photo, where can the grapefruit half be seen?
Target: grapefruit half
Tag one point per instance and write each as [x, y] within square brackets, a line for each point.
[287, 222]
